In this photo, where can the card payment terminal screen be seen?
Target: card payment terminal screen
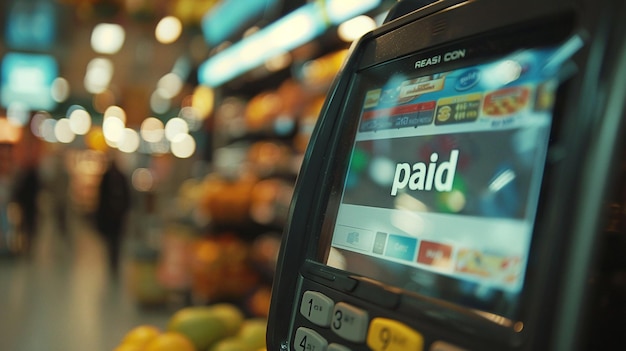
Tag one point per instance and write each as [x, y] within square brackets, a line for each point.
[440, 192]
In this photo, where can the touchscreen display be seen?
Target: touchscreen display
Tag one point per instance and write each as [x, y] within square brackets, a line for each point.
[443, 181]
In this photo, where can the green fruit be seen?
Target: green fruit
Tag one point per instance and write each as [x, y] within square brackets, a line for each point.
[252, 332]
[231, 344]
[230, 315]
[205, 325]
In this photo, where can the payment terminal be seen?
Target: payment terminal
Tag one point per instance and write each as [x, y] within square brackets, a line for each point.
[464, 186]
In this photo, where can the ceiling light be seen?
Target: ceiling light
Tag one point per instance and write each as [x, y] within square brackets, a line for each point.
[354, 28]
[296, 28]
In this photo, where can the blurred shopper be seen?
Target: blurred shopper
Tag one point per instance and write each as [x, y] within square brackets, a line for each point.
[26, 193]
[111, 212]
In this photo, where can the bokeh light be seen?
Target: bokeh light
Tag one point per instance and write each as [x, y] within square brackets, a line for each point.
[455, 201]
[355, 28]
[37, 121]
[183, 146]
[203, 101]
[60, 89]
[113, 129]
[152, 130]
[168, 30]
[98, 76]
[129, 141]
[174, 127]
[382, 170]
[46, 130]
[170, 85]
[95, 139]
[63, 132]
[80, 120]
[501, 73]
[115, 111]
[278, 62]
[107, 38]
[9, 133]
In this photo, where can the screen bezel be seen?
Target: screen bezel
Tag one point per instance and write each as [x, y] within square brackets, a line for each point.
[484, 47]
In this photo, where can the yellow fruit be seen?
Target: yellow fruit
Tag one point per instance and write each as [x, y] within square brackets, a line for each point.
[128, 347]
[205, 325]
[141, 335]
[170, 341]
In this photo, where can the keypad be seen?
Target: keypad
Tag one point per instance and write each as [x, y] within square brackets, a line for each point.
[349, 322]
[317, 308]
[309, 340]
[353, 324]
[390, 335]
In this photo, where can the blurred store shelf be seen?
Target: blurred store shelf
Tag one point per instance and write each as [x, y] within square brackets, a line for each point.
[211, 163]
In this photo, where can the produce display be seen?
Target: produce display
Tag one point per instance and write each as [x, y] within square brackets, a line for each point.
[218, 257]
[221, 269]
[218, 327]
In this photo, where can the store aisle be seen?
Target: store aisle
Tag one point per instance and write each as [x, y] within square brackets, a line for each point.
[63, 298]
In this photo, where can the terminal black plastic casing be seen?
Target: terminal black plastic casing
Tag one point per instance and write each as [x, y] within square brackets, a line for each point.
[583, 177]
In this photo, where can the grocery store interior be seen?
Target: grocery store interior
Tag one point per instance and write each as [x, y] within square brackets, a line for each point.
[148, 153]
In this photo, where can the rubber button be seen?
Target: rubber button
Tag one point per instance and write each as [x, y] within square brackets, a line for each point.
[349, 322]
[309, 339]
[317, 308]
[391, 335]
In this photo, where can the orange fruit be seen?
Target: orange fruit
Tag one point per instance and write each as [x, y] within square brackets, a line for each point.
[170, 341]
[141, 335]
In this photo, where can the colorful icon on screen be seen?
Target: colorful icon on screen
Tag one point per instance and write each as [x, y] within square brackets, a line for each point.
[435, 254]
[458, 109]
[492, 266]
[467, 79]
[506, 101]
[401, 247]
[379, 243]
[353, 238]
